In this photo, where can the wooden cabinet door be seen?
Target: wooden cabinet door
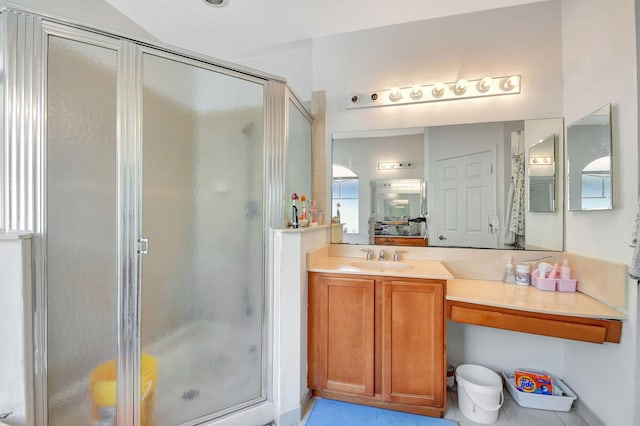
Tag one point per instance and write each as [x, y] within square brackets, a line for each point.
[413, 346]
[345, 351]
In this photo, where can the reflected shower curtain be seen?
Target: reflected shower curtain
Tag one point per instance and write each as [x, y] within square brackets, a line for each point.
[514, 208]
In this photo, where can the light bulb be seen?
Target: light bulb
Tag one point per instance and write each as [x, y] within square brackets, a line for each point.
[416, 91]
[461, 86]
[512, 82]
[438, 89]
[394, 94]
[485, 84]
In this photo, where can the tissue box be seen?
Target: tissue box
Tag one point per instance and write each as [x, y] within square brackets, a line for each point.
[531, 381]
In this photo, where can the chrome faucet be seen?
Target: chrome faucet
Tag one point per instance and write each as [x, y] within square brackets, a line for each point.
[368, 254]
[396, 255]
[381, 255]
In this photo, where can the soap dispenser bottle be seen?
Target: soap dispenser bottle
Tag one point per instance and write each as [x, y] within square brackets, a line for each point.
[294, 211]
[509, 275]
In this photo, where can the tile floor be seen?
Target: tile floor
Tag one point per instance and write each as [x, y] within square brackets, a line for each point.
[511, 414]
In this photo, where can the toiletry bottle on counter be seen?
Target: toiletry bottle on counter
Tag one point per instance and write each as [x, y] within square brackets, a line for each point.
[294, 211]
[522, 274]
[303, 200]
[509, 275]
[565, 269]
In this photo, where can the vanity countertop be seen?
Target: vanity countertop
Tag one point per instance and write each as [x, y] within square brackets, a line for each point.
[528, 298]
[432, 269]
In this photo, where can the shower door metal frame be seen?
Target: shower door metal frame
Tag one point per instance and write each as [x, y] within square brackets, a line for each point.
[23, 179]
[125, 286]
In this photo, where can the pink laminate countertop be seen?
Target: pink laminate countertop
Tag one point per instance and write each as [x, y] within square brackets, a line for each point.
[529, 298]
[432, 269]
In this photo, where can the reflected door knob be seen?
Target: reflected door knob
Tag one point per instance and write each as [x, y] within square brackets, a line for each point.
[441, 237]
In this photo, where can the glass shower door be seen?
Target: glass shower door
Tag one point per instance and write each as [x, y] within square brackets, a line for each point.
[81, 231]
[202, 286]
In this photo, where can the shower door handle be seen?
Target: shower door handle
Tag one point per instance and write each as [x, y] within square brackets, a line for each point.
[143, 246]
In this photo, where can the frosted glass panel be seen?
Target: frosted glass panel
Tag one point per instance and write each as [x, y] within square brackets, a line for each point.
[202, 211]
[81, 225]
[298, 158]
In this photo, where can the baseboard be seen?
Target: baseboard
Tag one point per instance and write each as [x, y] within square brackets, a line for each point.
[295, 416]
[587, 414]
[306, 400]
[290, 418]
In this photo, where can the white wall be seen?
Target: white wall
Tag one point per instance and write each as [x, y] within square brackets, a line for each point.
[290, 319]
[97, 12]
[292, 62]
[521, 40]
[16, 368]
[599, 61]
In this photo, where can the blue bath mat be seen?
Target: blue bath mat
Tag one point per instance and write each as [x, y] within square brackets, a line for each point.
[327, 412]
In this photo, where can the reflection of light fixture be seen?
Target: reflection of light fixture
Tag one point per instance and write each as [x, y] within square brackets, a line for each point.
[416, 91]
[394, 94]
[485, 84]
[217, 3]
[404, 185]
[439, 91]
[540, 161]
[461, 86]
[399, 202]
[391, 165]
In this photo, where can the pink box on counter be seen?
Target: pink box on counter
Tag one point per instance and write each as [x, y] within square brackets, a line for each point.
[545, 284]
[567, 284]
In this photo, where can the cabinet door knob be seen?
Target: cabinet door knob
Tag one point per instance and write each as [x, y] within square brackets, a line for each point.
[441, 237]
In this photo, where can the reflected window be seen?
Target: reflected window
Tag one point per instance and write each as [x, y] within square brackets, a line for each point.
[596, 184]
[344, 197]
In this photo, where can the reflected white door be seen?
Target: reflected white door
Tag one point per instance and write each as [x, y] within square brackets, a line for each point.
[465, 201]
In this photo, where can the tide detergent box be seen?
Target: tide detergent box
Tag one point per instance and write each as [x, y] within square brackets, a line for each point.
[532, 381]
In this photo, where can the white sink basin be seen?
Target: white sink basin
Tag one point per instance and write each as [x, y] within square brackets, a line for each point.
[381, 265]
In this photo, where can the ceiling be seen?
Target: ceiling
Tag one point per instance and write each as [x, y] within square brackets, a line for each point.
[250, 28]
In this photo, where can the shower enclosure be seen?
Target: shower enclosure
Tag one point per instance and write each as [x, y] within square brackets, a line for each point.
[149, 178]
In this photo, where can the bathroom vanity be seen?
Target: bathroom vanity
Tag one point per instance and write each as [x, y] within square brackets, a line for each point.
[378, 338]
[377, 329]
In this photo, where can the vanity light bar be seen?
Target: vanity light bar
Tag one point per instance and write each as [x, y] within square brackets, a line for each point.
[461, 89]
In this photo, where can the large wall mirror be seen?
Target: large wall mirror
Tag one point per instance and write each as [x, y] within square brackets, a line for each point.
[589, 165]
[482, 185]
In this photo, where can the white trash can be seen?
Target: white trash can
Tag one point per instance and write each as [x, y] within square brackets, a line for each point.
[480, 394]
